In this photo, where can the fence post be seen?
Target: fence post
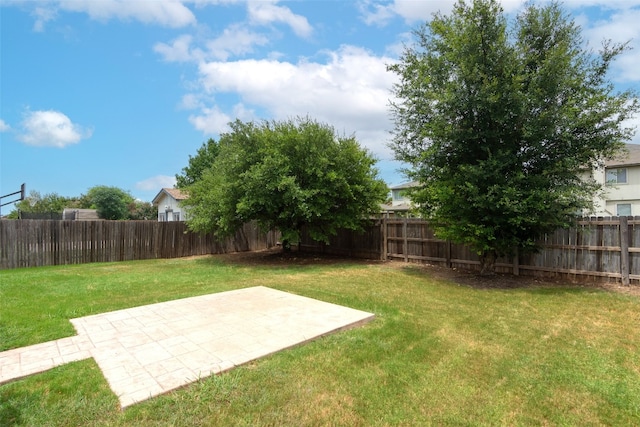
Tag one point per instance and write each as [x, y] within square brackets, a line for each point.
[516, 262]
[624, 250]
[405, 242]
[385, 243]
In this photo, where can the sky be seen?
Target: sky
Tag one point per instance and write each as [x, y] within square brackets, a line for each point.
[121, 92]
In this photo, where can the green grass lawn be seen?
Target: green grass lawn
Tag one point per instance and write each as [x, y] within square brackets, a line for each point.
[437, 353]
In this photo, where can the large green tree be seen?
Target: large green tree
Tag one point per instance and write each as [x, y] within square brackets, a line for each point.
[286, 175]
[110, 202]
[199, 163]
[499, 122]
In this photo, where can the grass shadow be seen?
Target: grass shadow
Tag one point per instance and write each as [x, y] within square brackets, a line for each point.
[277, 258]
[500, 281]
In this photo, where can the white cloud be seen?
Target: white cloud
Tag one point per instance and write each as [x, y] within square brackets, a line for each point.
[376, 14]
[606, 4]
[403, 40]
[4, 126]
[213, 121]
[350, 92]
[413, 11]
[235, 39]
[200, 3]
[627, 67]
[156, 183]
[42, 15]
[179, 50]
[619, 27]
[168, 13]
[51, 129]
[510, 6]
[266, 12]
[634, 122]
[190, 101]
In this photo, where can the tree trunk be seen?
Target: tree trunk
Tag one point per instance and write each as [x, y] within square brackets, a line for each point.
[488, 263]
[286, 246]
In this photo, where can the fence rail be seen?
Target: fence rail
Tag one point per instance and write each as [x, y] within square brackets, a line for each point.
[595, 249]
[34, 243]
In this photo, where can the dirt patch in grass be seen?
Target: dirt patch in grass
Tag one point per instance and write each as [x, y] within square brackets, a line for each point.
[509, 281]
[277, 258]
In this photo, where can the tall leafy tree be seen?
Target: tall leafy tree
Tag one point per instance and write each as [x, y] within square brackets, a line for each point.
[286, 175]
[110, 202]
[199, 163]
[499, 123]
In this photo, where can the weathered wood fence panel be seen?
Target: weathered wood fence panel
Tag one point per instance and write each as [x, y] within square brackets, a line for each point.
[34, 243]
[365, 244]
[596, 249]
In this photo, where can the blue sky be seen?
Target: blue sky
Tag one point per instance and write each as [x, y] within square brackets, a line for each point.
[121, 92]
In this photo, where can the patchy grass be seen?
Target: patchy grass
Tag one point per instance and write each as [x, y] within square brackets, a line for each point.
[437, 354]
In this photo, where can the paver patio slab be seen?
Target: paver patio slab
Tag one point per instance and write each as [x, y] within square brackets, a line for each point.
[149, 350]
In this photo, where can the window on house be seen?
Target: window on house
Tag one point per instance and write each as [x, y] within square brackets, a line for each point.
[623, 209]
[617, 176]
[162, 217]
[176, 216]
[399, 195]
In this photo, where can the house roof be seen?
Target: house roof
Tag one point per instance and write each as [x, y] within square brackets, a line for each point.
[631, 158]
[176, 193]
[405, 185]
[404, 207]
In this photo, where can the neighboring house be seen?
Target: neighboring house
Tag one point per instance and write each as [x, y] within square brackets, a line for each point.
[400, 203]
[621, 178]
[169, 206]
[399, 194]
[75, 214]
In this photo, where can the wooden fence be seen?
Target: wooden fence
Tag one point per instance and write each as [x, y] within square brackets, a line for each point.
[366, 244]
[596, 249]
[33, 243]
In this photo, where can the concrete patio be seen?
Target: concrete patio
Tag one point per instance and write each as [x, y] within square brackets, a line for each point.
[153, 349]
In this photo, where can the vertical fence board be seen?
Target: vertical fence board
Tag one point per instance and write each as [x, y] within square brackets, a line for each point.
[634, 242]
[624, 250]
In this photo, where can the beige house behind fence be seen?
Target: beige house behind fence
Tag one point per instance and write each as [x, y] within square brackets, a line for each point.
[169, 205]
[401, 204]
[621, 178]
